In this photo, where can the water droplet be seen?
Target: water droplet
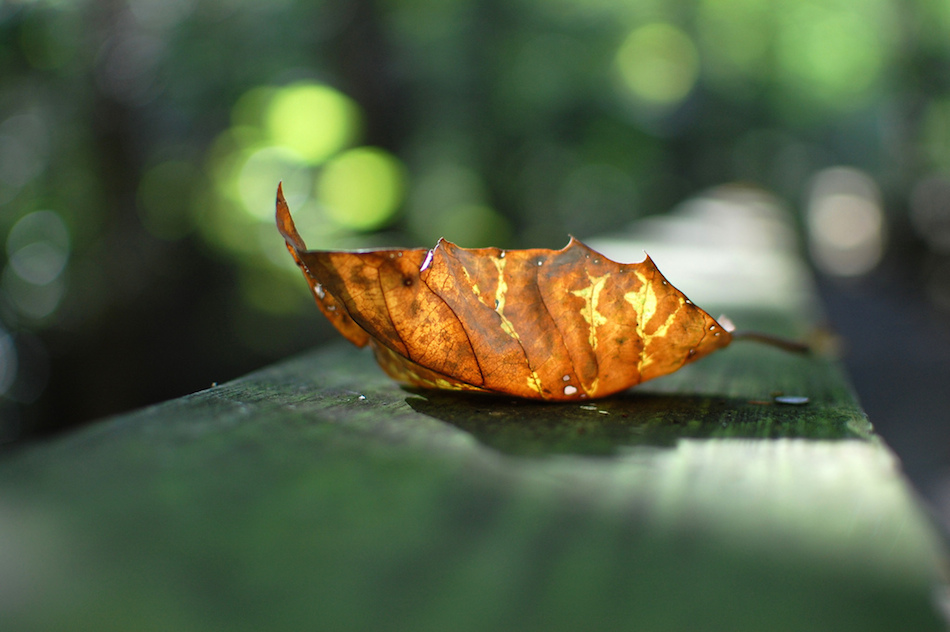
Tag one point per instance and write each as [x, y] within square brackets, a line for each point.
[399, 254]
[689, 302]
[791, 400]
[331, 308]
[566, 378]
[588, 407]
[712, 328]
[501, 255]
[540, 262]
[603, 412]
[361, 397]
[570, 390]
[692, 352]
[392, 255]
[320, 291]
[726, 323]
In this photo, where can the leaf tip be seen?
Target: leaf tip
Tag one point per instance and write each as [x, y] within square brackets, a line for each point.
[285, 223]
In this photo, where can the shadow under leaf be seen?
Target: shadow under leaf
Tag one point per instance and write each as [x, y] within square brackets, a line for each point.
[632, 418]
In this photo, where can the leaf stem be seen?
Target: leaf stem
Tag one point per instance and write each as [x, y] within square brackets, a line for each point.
[785, 344]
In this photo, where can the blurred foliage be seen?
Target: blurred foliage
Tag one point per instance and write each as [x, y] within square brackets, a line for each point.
[141, 142]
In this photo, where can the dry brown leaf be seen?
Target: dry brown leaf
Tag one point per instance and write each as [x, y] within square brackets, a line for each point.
[541, 324]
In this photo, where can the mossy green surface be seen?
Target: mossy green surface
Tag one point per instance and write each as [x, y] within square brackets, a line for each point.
[318, 494]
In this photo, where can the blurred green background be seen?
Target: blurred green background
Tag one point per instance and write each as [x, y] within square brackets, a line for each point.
[141, 142]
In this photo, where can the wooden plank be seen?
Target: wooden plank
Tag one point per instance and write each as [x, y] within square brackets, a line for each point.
[317, 493]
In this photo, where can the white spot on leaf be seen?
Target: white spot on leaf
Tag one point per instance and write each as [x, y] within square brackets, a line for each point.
[427, 262]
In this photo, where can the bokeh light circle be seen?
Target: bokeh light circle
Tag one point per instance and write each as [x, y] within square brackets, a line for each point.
[362, 188]
[314, 120]
[38, 247]
[658, 64]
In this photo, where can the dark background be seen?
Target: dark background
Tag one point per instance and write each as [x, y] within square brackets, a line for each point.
[141, 141]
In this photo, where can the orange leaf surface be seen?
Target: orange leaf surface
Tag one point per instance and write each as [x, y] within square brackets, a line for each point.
[541, 324]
